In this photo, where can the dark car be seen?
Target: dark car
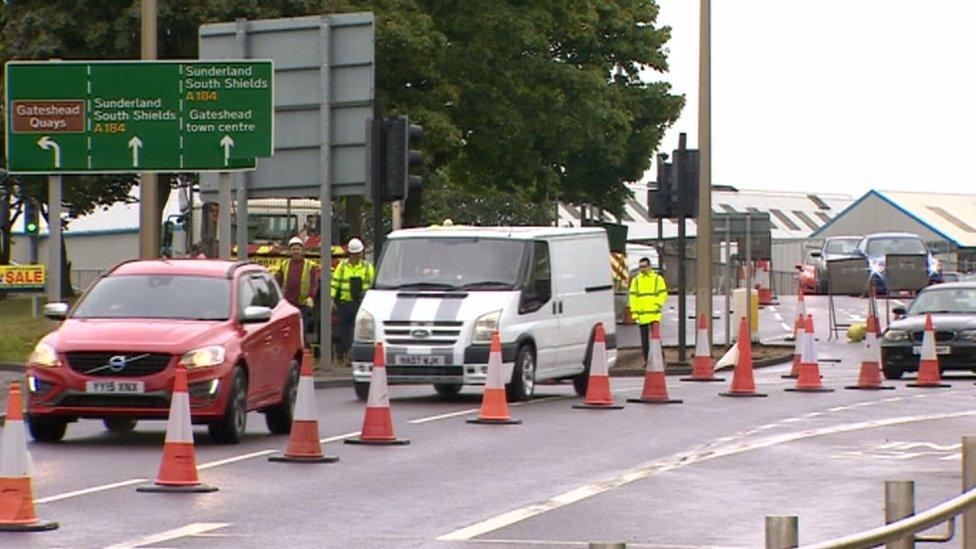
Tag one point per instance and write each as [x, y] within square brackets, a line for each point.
[953, 309]
[115, 355]
[876, 247]
[813, 272]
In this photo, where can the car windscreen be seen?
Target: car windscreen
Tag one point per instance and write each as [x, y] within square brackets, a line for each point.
[944, 300]
[880, 247]
[451, 263]
[150, 296]
[841, 246]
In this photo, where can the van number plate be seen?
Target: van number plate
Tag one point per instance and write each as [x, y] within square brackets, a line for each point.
[939, 349]
[113, 386]
[419, 360]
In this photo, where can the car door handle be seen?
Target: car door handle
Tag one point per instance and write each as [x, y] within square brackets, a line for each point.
[286, 331]
[268, 339]
[554, 311]
[560, 307]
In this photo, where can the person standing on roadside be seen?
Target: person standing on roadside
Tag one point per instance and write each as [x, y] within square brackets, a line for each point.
[648, 294]
[299, 278]
[350, 280]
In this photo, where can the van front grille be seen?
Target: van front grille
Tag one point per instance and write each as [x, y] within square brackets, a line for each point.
[422, 333]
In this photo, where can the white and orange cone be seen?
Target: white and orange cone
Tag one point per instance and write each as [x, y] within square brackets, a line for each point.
[809, 379]
[304, 445]
[16, 494]
[743, 381]
[928, 364]
[378, 421]
[494, 404]
[598, 395]
[655, 382]
[178, 470]
[870, 377]
[702, 365]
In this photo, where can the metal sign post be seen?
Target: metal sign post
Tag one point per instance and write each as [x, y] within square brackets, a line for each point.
[729, 273]
[749, 275]
[54, 238]
[325, 197]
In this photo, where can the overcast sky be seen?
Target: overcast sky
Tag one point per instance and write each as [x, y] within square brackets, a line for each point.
[832, 95]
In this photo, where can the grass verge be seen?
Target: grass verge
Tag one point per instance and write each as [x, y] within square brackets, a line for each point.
[18, 331]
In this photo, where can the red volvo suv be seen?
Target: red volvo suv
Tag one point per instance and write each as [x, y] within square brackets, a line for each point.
[115, 354]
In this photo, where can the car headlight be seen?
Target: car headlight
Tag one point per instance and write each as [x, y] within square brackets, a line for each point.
[44, 356]
[204, 356]
[365, 331]
[878, 267]
[485, 326]
[967, 335]
[935, 266]
[896, 335]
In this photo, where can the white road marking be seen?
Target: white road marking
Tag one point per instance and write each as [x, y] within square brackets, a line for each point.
[778, 316]
[786, 327]
[444, 416]
[529, 542]
[676, 461]
[87, 491]
[242, 457]
[169, 535]
[913, 445]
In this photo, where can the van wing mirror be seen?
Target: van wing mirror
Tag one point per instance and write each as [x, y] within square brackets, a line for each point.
[56, 311]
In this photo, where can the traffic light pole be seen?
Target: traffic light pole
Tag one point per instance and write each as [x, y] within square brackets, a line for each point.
[54, 239]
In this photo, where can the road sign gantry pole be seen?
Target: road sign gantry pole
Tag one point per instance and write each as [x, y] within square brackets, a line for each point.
[148, 183]
[325, 199]
[703, 239]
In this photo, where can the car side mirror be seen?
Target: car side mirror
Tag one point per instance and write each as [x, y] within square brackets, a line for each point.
[815, 253]
[256, 315]
[56, 311]
[899, 311]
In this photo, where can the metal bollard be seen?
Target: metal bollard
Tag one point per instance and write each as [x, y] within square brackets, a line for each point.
[899, 503]
[782, 532]
[968, 482]
[608, 545]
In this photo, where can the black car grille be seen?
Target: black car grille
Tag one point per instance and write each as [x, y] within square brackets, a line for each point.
[940, 336]
[138, 364]
[424, 370]
[114, 401]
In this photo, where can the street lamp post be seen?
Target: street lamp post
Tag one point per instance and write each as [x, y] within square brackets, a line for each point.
[703, 238]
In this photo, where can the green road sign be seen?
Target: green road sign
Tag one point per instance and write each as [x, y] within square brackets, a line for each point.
[138, 116]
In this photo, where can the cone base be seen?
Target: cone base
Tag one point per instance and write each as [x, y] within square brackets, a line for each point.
[928, 385]
[736, 394]
[39, 526]
[656, 400]
[585, 406]
[789, 376]
[702, 379]
[377, 442]
[301, 459]
[176, 489]
[808, 390]
[490, 421]
[869, 387]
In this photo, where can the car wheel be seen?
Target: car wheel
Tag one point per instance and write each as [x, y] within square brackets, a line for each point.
[362, 390]
[447, 390]
[229, 428]
[120, 424]
[522, 385]
[893, 373]
[280, 416]
[46, 429]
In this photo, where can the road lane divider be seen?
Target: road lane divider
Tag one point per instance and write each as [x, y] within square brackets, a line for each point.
[190, 530]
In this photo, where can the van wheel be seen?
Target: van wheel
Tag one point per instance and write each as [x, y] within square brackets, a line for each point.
[362, 390]
[46, 429]
[120, 424]
[230, 428]
[582, 381]
[523, 375]
[279, 416]
[893, 373]
[447, 390]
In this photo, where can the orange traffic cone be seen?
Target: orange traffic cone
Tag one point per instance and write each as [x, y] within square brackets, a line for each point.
[378, 422]
[16, 494]
[178, 470]
[809, 379]
[870, 378]
[702, 367]
[598, 386]
[743, 383]
[304, 445]
[928, 364]
[494, 405]
[799, 340]
[655, 382]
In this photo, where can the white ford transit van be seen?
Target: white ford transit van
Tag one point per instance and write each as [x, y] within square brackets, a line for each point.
[441, 292]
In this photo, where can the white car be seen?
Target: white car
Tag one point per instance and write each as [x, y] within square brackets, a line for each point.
[441, 292]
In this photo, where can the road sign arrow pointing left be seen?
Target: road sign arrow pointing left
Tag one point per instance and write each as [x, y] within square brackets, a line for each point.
[227, 143]
[135, 144]
[47, 144]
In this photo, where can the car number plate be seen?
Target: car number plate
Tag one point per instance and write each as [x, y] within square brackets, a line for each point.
[419, 360]
[115, 386]
[939, 349]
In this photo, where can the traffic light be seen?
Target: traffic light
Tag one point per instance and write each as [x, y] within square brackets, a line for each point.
[399, 136]
[686, 163]
[32, 217]
[660, 201]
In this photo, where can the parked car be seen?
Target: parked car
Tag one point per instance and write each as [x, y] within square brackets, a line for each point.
[953, 309]
[952, 276]
[115, 354]
[440, 294]
[876, 247]
[812, 274]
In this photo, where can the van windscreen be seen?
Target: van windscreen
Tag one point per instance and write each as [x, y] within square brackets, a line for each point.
[451, 263]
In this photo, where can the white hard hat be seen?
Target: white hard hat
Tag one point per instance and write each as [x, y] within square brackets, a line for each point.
[355, 246]
[295, 240]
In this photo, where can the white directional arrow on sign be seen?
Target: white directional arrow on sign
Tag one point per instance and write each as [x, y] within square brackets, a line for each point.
[135, 144]
[47, 144]
[226, 143]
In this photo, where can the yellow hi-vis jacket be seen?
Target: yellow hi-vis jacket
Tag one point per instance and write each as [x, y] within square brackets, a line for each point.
[648, 294]
[343, 275]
